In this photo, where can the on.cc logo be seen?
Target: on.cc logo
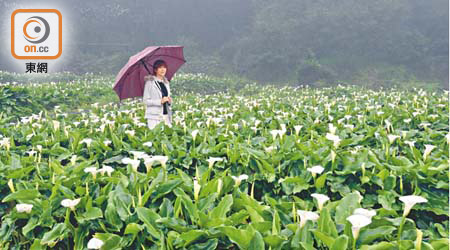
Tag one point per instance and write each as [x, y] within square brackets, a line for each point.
[36, 34]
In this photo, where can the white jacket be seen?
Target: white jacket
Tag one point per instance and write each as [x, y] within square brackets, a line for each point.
[152, 98]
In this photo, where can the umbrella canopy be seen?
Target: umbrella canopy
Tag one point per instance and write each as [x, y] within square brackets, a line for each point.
[130, 79]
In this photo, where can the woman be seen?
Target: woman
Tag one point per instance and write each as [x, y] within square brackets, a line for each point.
[157, 96]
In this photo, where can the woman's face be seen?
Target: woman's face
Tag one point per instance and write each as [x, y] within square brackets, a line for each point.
[161, 71]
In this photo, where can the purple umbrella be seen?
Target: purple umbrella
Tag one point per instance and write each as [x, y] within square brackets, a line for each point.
[130, 79]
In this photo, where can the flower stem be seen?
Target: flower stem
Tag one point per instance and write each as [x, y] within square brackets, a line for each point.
[400, 229]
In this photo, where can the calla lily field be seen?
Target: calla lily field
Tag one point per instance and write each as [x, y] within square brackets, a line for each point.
[244, 166]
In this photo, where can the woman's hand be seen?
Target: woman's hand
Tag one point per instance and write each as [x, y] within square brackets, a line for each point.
[164, 99]
[170, 100]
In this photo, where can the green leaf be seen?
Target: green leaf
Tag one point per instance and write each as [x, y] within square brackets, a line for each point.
[111, 241]
[166, 188]
[31, 224]
[211, 244]
[326, 224]
[223, 207]
[148, 216]
[191, 236]
[92, 213]
[379, 246]
[255, 217]
[57, 233]
[22, 195]
[257, 242]
[37, 245]
[346, 206]
[320, 182]
[276, 226]
[328, 240]
[340, 243]
[368, 235]
[133, 228]
[440, 244]
[239, 236]
[274, 240]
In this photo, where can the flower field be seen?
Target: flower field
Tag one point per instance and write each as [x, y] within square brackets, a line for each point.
[267, 168]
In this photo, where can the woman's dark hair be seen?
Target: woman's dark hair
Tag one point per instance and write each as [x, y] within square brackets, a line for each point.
[157, 64]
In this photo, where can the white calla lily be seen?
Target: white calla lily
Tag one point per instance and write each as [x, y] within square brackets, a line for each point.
[365, 212]
[88, 141]
[70, 203]
[410, 201]
[95, 243]
[336, 140]
[92, 170]
[132, 162]
[392, 138]
[428, 149]
[194, 134]
[213, 160]
[24, 208]
[358, 221]
[107, 169]
[306, 216]
[239, 178]
[297, 129]
[321, 199]
[161, 159]
[316, 170]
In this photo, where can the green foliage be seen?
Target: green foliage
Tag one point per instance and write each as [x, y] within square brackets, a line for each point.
[256, 133]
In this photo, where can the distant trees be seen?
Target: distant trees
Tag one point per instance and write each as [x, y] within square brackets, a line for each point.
[299, 41]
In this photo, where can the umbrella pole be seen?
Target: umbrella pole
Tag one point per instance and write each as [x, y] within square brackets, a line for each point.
[145, 65]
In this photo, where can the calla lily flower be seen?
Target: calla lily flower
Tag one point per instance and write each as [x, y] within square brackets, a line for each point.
[138, 154]
[213, 160]
[336, 140]
[410, 201]
[274, 133]
[315, 170]
[240, 178]
[269, 149]
[107, 142]
[130, 132]
[55, 124]
[410, 143]
[70, 203]
[297, 129]
[92, 170]
[88, 141]
[134, 163]
[428, 149]
[332, 128]
[321, 199]
[358, 221]
[24, 208]
[392, 138]
[194, 134]
[306, 216]
[162, 159]
[106, 169]
[365, 212]
[95, 243]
